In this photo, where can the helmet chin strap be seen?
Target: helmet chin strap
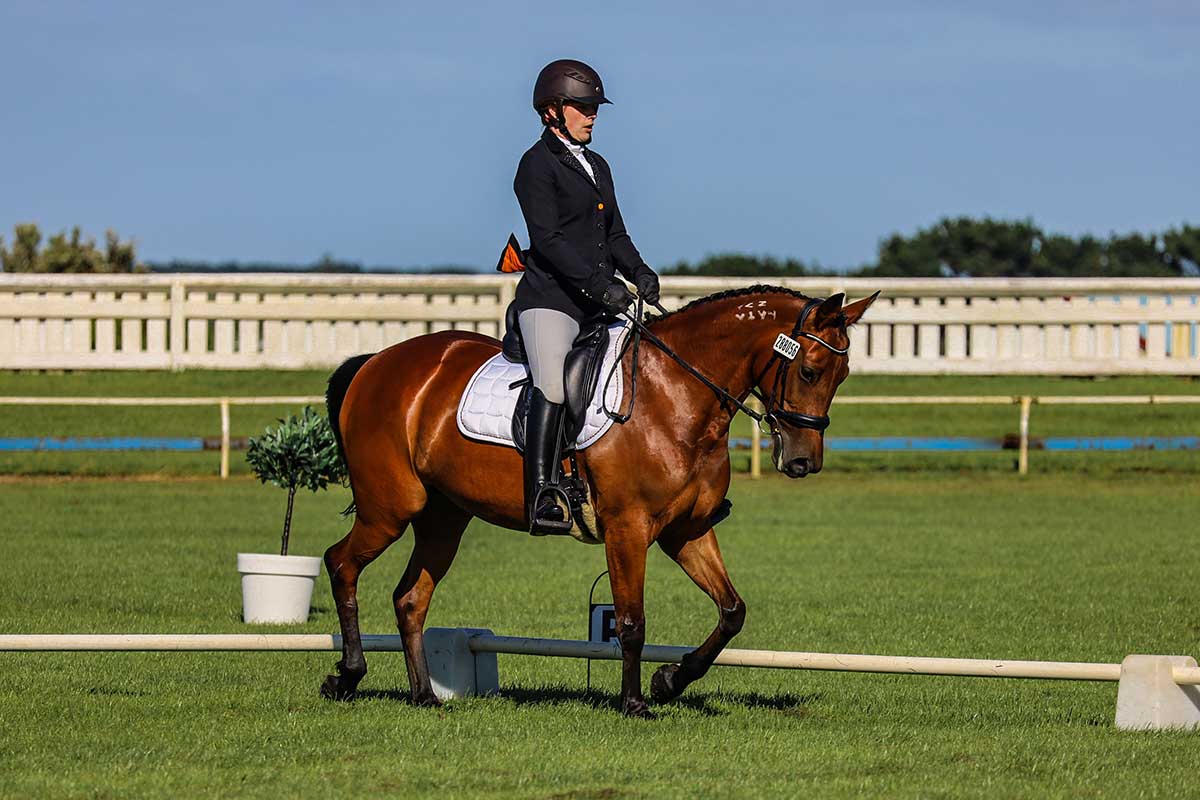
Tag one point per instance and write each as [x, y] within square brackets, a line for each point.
[560, 124]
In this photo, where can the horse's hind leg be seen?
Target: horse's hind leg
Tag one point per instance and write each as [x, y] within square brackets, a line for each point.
[344, 562]
[701, 559]
[437, 532]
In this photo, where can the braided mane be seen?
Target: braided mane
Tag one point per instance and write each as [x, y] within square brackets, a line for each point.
[740, 292]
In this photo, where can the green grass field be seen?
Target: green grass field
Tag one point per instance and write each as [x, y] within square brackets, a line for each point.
[984, 564]
[848, 420]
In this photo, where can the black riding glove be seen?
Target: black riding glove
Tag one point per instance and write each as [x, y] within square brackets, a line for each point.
[616, 298]
[647, 286]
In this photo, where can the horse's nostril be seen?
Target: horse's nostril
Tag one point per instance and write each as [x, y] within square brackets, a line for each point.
[798, 467]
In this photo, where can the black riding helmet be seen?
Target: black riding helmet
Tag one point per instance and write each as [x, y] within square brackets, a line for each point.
[567, 79]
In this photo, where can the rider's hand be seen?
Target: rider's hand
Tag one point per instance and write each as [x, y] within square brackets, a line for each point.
[647, 286]
[616, 298]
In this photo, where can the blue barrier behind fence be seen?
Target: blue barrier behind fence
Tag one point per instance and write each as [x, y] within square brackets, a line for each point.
[119, 443]
[876, 444]
[901, 444]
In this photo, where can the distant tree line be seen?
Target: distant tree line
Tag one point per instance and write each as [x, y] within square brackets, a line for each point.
[326, 264]
[966, 247]
[71, 252]
[67, 253]
[951, 247]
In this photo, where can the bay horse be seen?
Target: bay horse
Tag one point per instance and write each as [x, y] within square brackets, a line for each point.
[393, 414]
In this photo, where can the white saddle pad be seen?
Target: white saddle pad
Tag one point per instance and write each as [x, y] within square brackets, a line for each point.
[486, 409]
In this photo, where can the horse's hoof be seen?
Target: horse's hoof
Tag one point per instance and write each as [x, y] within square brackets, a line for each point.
[333, 689]
[426, 701]
[636, 707]
[664, 685]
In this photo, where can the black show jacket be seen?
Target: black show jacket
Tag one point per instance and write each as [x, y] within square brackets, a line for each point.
[576, 236]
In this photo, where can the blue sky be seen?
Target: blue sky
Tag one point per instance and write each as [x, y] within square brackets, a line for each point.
[388, 133]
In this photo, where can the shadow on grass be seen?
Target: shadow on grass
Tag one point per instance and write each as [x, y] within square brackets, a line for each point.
[709, 704]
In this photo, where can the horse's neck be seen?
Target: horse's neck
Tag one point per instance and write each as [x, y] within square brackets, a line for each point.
[727, 341]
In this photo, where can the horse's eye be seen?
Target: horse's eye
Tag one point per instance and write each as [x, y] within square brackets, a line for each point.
[809, 374]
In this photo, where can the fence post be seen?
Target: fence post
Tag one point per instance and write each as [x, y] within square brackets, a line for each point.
[755, 447]
[1023, 453]
[177, 333]
[224, 437]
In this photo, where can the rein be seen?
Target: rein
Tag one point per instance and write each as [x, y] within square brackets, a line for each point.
[640, 330]
[785, 348]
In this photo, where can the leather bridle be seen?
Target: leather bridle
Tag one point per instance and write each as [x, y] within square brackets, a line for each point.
[774, 411]
[774, 403]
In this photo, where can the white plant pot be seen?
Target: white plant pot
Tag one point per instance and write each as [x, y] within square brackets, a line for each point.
[277, 588]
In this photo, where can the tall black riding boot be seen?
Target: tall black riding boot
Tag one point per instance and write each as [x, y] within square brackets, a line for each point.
[543, 426]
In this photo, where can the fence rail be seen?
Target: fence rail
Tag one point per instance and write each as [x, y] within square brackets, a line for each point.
[223, 405]
[918, 326]
[1024, 402]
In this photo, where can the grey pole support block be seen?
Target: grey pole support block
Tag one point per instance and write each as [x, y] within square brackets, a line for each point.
[1149, 699]
[454, 670]
[487, 672]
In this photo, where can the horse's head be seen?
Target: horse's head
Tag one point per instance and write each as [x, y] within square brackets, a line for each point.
[811, 363]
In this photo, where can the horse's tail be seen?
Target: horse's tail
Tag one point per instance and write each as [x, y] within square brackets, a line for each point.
[335, 393]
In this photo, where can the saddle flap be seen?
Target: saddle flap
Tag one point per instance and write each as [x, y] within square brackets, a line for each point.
[581, 372]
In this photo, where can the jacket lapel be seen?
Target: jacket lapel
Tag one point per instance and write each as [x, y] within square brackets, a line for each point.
[571, 162]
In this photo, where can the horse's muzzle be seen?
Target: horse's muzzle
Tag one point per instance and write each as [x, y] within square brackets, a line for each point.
[798, 467]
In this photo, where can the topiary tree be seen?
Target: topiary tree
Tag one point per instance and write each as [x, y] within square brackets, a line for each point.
[300, 453]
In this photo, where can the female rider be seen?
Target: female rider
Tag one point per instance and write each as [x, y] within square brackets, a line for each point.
[577, 242]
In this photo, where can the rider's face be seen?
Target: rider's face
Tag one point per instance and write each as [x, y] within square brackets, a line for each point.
[579, 118]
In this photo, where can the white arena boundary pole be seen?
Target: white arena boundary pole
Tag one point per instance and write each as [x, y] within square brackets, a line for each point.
[1155, 692]
[827, 662]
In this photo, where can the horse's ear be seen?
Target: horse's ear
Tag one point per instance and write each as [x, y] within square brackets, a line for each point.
[855, 310]
[829, 309]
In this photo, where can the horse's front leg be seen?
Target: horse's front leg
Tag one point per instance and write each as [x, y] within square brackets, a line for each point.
[627, 576]
[701, 559]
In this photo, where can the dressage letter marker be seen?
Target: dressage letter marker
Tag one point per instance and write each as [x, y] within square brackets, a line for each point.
[602, 623]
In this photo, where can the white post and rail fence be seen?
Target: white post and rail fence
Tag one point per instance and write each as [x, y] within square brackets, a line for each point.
[1025, 404]
[918, 326]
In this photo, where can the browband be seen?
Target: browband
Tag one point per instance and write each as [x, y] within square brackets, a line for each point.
[808, 309]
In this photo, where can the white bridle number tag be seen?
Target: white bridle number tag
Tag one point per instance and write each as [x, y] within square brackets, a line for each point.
[786, 346]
